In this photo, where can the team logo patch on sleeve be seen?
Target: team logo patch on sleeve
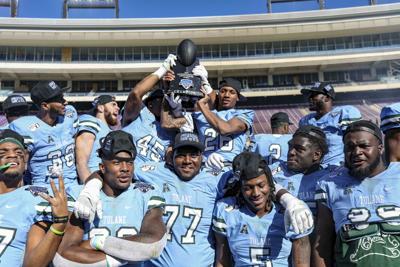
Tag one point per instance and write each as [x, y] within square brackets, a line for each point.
[146, 168]
[143, 187]
[35, 190]
[69, 113]
[33, 127]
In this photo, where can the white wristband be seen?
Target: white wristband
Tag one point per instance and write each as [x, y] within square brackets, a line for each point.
[160, 72]
[207, 87]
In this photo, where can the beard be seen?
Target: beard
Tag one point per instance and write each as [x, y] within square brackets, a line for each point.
[361, 173]
[11, 178]
[112, 121]
[317, 105]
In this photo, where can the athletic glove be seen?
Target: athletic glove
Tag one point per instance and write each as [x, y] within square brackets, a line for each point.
[201, 72]
[167, 65]
[298, 216]
[88, 203]
[215, 162]
[175, 105]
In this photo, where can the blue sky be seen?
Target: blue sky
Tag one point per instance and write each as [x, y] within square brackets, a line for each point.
[175, 8]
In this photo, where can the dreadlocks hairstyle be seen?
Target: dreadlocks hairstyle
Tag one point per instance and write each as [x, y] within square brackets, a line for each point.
[249, 165]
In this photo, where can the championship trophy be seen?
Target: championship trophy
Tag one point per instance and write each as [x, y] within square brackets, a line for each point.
[186, 85]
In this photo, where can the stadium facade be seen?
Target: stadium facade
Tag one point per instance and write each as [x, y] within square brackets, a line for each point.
[273, 55]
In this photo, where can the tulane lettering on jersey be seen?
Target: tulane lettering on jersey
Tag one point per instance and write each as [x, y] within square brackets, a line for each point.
[333, 124]
[95, 126]
[188, 214]
[123, 215]
[20, 209]
[299, 184]
[253, 241]
[272, 147]
[227, 145]
[150, 139]
[51, 148]
[366, 214]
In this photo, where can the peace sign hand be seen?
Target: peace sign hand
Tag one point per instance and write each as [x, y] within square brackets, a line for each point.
[58, 201]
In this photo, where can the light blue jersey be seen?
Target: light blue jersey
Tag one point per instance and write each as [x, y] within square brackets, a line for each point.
[366, 214]
[188, 214]
[299, 185]
[50, 147]
[123, 215]
[227, 145]
[253, 241]
[20, 209]
[334, 123]
[150, 139]
[273, 147]
[95, 126]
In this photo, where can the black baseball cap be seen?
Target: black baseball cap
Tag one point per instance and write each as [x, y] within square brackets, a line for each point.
[158, 93]
[15, 101]
[8, 135]
[249, 165]
[45, 91]
[235, 84]
[278, 118]
[102, 100]
[187, 139]
[115, 142]
[320, 87]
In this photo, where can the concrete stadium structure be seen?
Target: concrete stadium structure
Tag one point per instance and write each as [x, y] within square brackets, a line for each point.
[273, 55]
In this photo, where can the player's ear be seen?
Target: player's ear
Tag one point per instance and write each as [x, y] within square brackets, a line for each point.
[44, 106]
[317, 155]
[101, 167]
[381, 149]
[100, 108]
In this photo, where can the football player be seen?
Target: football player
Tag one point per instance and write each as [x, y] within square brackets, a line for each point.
[31, 222]
[300, 173]
[390, 126]
[190, 193]
[249, 228]
[15, 106]
[91, 129]
[274, 147]
[131, 227]
[358, 206]
[142, 118]
[49, 135]
[225, 130]
[332, 120]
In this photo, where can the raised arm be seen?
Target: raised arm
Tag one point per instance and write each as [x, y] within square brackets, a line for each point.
[83, 147]
[134, 102]
[232, 126]
[44, 237]
[167, 120]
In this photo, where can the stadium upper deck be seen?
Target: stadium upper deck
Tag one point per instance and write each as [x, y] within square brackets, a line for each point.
[272, 54]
